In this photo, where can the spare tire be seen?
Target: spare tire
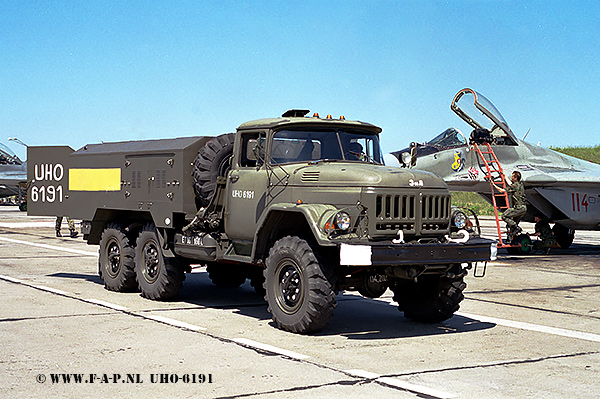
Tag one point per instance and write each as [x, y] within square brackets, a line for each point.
[213, 160]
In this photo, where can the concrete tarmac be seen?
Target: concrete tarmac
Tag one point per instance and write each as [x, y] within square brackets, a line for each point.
[529, 328]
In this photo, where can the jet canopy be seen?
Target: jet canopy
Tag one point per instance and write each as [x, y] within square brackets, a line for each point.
[449, 138]
[7, 157]
[480, 113]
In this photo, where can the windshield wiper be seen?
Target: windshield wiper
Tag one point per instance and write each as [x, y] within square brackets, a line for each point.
[316, 161]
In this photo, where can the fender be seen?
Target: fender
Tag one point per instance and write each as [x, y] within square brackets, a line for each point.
[315, 216]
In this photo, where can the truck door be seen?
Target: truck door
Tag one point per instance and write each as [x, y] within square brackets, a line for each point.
[246, 187]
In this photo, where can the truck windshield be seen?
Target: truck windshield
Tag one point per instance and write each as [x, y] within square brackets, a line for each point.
[313, 145]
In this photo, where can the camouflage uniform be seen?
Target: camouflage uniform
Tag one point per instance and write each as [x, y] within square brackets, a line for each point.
[513, 215]
[71, 224]
[547, 239]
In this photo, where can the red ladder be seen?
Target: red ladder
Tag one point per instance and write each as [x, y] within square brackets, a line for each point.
[495, 174]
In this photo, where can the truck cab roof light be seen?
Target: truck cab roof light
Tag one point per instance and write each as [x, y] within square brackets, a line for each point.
[295, 113]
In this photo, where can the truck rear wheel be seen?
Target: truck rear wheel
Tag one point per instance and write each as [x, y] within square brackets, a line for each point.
[212, 161]
[115, 261]
[299, 295]
[431, 300]
[159, 277]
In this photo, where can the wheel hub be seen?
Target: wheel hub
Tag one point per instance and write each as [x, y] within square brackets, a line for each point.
[290, 288]
[114, 258]
[151, 261]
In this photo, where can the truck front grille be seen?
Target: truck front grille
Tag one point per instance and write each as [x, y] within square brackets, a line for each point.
[435, 212]
[414, 214]
[395, 206]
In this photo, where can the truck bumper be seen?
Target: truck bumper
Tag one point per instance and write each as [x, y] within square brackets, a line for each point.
[389, 254]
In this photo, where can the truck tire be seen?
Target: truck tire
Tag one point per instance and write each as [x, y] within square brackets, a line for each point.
[431, 300]
[212, 161]
[116, 260]
[159, 278]
[300, 297]
[226, 275]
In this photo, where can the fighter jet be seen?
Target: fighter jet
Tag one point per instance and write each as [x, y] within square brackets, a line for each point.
[13, 176]
[564, 189]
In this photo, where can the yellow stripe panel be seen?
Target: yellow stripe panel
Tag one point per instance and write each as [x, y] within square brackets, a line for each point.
[95, 179]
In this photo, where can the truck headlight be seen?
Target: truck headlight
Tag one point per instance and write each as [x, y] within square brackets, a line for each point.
[341, 221]
[459, 219]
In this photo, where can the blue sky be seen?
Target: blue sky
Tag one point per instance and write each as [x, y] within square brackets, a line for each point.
[83, 72]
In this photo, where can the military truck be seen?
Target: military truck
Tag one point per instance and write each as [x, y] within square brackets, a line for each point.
[302, 206]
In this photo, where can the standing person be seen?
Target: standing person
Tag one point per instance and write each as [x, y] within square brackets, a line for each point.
[73, 233]
[512, 216]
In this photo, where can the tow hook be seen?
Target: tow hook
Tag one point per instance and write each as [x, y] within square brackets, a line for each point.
[465, 237]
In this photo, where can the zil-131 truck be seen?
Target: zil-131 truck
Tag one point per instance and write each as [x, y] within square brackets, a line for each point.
[303, 207]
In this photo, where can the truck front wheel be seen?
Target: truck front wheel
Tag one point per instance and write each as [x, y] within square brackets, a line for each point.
[115, 260]
[299, 295]
[430, 300]
[159, 277]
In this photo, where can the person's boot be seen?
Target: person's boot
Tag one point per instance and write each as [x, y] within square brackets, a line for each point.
[58, 233]
[73, 233]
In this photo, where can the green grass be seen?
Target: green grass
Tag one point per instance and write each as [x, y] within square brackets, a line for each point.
[473, 201]
[591, 154]
[482, 207]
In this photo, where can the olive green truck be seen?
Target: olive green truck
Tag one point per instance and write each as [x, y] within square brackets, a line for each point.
[302, 206]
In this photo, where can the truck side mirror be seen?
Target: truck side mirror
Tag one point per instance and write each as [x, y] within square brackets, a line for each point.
[406, 158]
[409, 159]
[255, 151]
[250, 154]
